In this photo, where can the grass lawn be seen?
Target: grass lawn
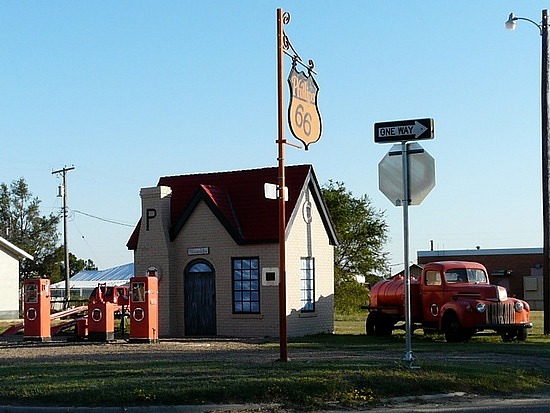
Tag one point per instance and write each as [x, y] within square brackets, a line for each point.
[312, 384]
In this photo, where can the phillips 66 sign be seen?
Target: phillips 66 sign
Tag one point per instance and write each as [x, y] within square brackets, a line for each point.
[304, 118]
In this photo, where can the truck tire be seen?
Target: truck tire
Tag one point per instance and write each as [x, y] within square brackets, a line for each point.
[509, 335]
[370, 328]
[378, 324]
[453, 330]
[384, 326]
[520, 334]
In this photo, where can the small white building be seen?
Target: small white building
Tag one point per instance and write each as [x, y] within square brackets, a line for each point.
[213, 241]
[10, 256]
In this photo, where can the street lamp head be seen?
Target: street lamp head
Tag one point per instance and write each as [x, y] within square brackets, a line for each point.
[511, 22]
[512, 19]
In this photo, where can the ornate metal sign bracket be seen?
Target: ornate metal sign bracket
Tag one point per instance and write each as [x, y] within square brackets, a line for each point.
[304, 118]
[290, 51]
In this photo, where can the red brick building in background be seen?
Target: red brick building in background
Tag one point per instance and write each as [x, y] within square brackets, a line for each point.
[519, 270]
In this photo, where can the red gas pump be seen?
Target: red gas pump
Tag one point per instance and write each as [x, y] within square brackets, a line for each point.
[144, 309]
[37, 309]
[101, 316]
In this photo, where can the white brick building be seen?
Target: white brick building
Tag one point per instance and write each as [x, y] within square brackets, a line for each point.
[214, 240]
[10, 256]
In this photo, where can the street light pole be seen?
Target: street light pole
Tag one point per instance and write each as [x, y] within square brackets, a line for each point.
[545, 134]
[545, 94]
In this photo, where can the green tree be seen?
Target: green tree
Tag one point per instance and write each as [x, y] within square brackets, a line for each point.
[362, 232]
[22, 225]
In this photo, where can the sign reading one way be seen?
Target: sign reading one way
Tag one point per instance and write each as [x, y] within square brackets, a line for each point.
[404, 130]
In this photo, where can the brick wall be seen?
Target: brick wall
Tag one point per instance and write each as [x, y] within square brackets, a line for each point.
[204, 230]
[309, 239]
[153, 248]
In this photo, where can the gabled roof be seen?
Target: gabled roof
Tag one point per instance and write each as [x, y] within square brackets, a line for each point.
[14, 251]
[237, 199]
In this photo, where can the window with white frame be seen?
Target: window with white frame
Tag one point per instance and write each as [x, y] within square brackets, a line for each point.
[246, 285]
[307, 284]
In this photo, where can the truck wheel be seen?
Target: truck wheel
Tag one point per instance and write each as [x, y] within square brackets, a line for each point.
[522, 334]
[454, 332]
[384, 325]
[370, 324]
[509, 335]
[379, 325]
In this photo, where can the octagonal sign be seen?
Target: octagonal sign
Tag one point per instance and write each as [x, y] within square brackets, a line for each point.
[421, 174]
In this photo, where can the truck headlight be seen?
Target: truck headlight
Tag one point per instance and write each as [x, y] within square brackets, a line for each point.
[518, 306]
[480, 307]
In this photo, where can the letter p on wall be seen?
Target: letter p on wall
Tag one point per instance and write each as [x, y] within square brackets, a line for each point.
[150, 213]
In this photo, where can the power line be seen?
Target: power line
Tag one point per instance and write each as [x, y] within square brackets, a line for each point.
[86, 241]
[110, 221]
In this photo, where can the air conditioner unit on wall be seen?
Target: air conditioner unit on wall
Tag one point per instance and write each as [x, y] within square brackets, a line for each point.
[533, 291]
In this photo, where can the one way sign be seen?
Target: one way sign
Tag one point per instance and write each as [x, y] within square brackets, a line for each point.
[404, 130]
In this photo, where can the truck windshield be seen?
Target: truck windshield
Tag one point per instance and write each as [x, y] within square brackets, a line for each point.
[465, 275]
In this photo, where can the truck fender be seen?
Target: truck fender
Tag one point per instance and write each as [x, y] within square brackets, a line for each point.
[459, 308]
[452, 323]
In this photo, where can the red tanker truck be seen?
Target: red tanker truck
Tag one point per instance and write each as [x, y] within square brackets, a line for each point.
[451, 297]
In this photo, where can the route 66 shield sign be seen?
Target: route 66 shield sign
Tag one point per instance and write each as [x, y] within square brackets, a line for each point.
[304, 118]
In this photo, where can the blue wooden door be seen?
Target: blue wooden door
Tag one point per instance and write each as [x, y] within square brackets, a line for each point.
[200, 300]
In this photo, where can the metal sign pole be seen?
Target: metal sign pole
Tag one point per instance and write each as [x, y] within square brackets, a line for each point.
[305, 124]
[408, 188]
[281, 184]
[408, 358]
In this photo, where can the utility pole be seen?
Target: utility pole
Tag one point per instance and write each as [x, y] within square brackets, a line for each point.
[63, 194]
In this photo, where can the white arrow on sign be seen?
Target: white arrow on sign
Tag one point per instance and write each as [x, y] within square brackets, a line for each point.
[405, 130]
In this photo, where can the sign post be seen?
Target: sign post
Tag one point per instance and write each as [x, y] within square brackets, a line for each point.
[283, 347]
[408, 357]
[305, 125]
[395, 181]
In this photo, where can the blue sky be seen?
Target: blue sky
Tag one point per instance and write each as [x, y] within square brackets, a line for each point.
[129, 91]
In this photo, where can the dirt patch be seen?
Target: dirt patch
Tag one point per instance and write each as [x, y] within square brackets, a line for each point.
[120, 350]
[219, 349]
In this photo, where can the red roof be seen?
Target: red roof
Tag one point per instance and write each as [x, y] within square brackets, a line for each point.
[237, 199]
